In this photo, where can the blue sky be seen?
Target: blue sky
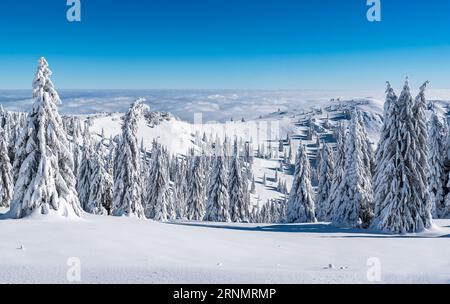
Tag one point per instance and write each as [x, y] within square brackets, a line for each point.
[214, 44]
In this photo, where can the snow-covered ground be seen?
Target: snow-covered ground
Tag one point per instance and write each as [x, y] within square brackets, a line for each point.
[123, 250]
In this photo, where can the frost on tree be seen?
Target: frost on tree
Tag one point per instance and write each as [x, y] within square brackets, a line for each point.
[301, 207]
[353, 206]
[101, 184]
[325, 172]
[196, 191]
[380, 187]
[43, 163]
[181, 187]
[127, 179]
[160, 189]
[85, 169]
[402, 199]
[217, 208]
[239, 205]
[336, 193]
[436, 162]
[6, 183]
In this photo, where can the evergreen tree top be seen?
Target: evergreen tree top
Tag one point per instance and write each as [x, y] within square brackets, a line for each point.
[43, 85]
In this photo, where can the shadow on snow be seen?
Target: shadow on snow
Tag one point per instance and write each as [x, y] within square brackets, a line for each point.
[319, 228]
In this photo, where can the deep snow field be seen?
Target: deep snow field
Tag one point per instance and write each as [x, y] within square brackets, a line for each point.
[123, 250]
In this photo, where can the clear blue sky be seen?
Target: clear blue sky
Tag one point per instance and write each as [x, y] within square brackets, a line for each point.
[263, 44]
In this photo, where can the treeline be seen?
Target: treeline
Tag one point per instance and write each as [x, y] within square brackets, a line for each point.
[50, 164]
[395, 188]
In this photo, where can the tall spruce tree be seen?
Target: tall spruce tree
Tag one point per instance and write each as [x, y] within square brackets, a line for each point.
[160, 189]
[43, 163]
[402, 203]
[353, 208]
[196, 190]
[325, 180]
[336, 191]
[301, 208]
[436, 161]
[218, 204]
[101, 184]
[239, 207]
[85, 169]
[127, 167]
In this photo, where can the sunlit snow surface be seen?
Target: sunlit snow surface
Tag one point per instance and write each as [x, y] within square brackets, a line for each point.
[122, 250]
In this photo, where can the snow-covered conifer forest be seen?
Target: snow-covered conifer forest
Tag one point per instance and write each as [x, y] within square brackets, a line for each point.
[304, 192]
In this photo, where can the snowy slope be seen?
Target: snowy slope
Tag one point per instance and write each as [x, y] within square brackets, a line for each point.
[179, 136]
[123, 250]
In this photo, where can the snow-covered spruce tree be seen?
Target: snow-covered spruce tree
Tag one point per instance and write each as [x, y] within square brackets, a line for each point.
[385, 149]
[218, 203]
[76, 148]
[127, 165]
[181, 188]
[436, 163]
[335, 193]
[101, 184]
[161, 194]
[150, 180]
[6, 183]
[325, 179]
[353, 208]
[239, 207]
[403, 204]
[301, 207]
[196, 190]
[366, 145]
[43, 163]
[12, 128]
[85, 169]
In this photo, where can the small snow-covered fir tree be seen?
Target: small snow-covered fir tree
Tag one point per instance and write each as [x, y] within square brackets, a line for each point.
[353, 207]
[85, 169]
[181, 188]
[6, 182]
[218, 203]
[325, 179]
[127, 167]
[43, 163]
[239, 208]
[301, 208]
[366, 146]
[436, 163]
[402, 203]
[196, 190]
[160, 189]
[101, 184]
[336, 193]
[76, 134]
